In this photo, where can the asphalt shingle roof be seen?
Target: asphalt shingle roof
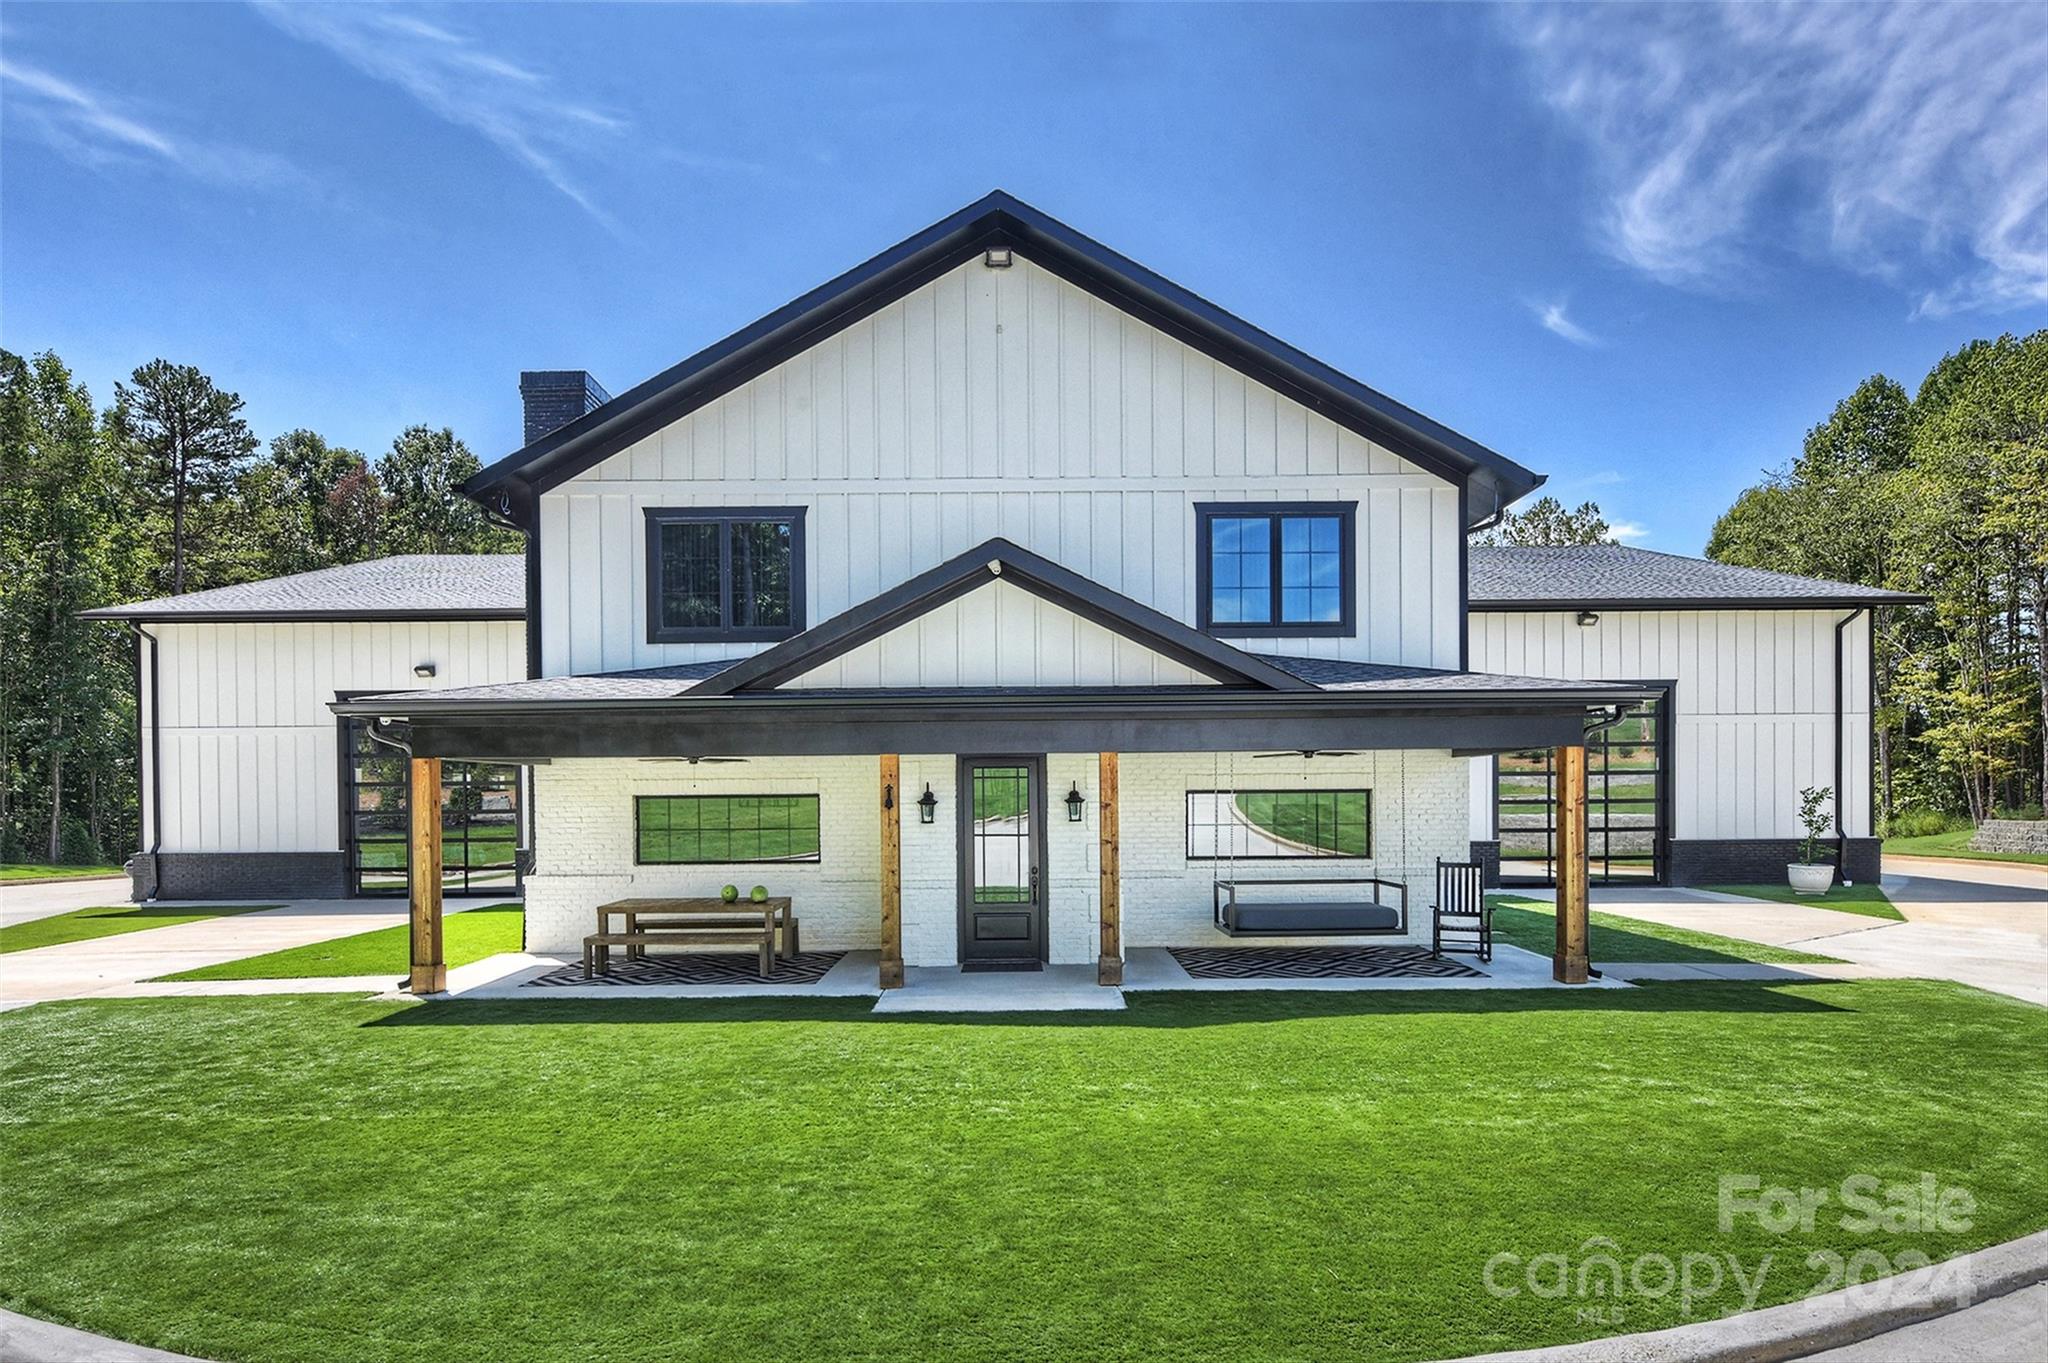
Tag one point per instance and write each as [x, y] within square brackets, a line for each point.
[406, 586]
[1615, 576]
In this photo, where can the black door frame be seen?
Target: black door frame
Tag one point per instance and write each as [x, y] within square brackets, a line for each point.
[963, 892]
[1665, 825]
[352, 870]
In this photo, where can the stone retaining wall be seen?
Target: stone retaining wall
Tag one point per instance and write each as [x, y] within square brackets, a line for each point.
[2012, 835]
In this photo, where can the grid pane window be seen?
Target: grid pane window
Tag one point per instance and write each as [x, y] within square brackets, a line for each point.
[724, 574]
[1278, 825]
[1002, 835]
[716, 829]
[480, 822]
[690, 596]
[1282, 570]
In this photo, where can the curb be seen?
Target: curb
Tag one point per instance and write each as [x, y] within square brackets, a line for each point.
[29, 1340]
[1778, 1334]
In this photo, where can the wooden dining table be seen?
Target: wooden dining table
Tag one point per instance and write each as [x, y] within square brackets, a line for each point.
[773, 913]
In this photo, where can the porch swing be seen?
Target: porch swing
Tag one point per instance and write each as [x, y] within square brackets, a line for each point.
[1307, 906]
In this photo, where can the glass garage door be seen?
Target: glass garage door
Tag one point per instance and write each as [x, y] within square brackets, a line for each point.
[1628, 805]
[481, 830]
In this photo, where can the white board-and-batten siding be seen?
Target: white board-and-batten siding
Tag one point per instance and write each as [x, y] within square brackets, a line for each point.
[997, 402]
[1754, 699]
[251, 753]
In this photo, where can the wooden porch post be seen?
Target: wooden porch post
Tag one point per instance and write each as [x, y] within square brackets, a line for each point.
[429, 969]
[1109, 966]
[891, 796]
[1569, 965]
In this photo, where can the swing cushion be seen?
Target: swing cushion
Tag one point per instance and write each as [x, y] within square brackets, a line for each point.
[1311, 916]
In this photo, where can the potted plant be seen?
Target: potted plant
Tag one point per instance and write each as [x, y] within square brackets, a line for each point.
[1811, 875]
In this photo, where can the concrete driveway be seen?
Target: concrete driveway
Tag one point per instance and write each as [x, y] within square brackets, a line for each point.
[112, 965]
[1984, 924]
[21, 903]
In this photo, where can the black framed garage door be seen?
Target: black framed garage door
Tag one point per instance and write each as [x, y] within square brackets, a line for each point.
[1628, 804]
[482, 820]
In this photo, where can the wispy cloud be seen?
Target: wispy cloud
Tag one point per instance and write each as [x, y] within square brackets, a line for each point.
[1553, 319]
[1628, 532]
[1909, 143]
[104, 133]
[508, 102]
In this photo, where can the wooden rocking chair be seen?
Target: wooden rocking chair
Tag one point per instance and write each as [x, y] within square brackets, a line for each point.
[1462, 920]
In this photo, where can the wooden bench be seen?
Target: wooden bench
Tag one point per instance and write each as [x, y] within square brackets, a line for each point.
[597, 946]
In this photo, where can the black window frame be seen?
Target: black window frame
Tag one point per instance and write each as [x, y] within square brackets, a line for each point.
[725, 517]
[1188, 824]
[813, 859]
[1345, 626]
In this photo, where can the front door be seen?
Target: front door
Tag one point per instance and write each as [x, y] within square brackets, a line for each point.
[1002, 860]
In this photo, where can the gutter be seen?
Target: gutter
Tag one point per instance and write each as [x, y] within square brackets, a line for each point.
[156, 755]
[1841, 836]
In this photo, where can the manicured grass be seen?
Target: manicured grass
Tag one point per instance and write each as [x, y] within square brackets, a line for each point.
[467, 936]
[1956, 843]
[483, 848]
[1331, 820]
[33, 871]
[1203, 1177]
[1868, 900]
[1532, 925]
[109, 921]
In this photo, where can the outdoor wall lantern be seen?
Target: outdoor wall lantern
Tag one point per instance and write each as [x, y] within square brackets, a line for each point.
[1589, 617]
[423, 669]
[927, 804]
[1074, 802]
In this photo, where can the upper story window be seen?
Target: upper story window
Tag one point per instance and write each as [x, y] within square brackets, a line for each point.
[724, 573]
[1276, 567]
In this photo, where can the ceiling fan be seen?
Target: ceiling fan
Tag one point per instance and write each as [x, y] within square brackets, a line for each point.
[693, 761]
[1306, 753]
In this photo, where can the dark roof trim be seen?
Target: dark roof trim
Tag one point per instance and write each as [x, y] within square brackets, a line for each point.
[1702, 603]
[995, 221]
[142, 613]
[1177, 705]
[987, 562]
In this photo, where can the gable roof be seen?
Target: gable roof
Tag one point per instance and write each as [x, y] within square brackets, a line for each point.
[1617, 577]
[993, 222]
[963, 573]
[403, 587]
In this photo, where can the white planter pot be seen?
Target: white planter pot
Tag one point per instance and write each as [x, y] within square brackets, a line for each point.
[1810, 879]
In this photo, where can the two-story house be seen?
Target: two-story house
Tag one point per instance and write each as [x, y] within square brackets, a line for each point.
[997, 601]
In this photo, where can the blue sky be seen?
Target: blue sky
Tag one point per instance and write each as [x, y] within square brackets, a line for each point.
[1641, 250]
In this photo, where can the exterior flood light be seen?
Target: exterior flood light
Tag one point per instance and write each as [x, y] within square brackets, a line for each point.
[997, 258]
[423, 669]
[1589, 617]
[927, 804]
[1074, 802]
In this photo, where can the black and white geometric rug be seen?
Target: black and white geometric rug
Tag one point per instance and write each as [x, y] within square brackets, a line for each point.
[1319, 963]
[696, 967]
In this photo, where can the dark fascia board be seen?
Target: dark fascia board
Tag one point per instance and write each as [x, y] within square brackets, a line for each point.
[1183, 706]
[999, 220]
[1703, 603]
[990, 561]
[290, 617]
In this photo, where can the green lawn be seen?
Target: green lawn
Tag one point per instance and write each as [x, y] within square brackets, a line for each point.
[109, 921]
[1332, 820]
[1956, 843]
[1532, 925]
[467, 936]
[483, 848]
[15, 870]
[1203, 1177]
[1865, 899]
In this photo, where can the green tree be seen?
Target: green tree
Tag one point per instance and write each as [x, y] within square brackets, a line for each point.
[188, 437]
[1545, 521]
[424, 513]
[64, 690]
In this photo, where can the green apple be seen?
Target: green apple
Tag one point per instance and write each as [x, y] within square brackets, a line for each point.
[729, 893]
[758, 894]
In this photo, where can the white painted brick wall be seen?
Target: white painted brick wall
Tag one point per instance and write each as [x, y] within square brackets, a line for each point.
[584, 822]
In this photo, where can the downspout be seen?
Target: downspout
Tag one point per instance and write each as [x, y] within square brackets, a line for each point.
[1841, 834]
[156, 763]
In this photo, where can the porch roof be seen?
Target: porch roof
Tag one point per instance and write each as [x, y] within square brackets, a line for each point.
[665, 712]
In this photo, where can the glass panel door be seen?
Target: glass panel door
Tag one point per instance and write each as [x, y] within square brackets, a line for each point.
[1627, 805]
[1002, 908]
[481, 830]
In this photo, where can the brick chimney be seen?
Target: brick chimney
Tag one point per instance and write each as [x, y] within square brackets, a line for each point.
[555, 397]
